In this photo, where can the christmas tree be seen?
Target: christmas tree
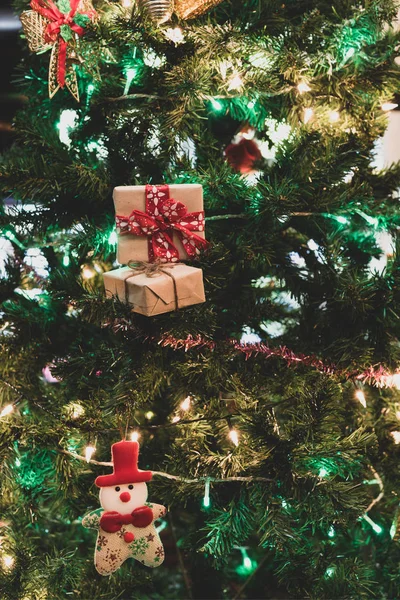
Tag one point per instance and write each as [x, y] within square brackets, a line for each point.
[269, 414]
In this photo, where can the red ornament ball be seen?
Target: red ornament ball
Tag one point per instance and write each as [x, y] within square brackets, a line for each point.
[129, 537]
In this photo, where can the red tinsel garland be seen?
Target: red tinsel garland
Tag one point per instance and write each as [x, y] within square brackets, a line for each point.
[378, 375]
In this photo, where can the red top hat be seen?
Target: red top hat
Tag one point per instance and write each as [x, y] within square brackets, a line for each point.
[125, 459]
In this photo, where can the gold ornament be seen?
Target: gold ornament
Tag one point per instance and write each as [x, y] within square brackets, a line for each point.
[47, 27]
[188, 9]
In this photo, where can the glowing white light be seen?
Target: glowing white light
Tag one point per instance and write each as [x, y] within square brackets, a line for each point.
[88, 272]
[386, 106]
[75, 410]
[235, 82]
[249, 337]
[68, 122]
[334, 116]
[151, 59]
[185, 405]
[126, 3]
[6, 251]
[360, 396]
[175, 34]
[396, 436]
[307, 115]
[398, 414]
[8, 561]
[35, 258]
[6, 410]
[135, 435]
[206, 499]
[303, 87]
[386, 242]
[234, 437]
[149, 415]
[175, 419]
[89, 451]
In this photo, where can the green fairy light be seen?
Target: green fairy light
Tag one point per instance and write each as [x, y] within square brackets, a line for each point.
[216, 105]
[66, 260]
[163, 524]
[377, 528]
[248, 566]
[130, 74]
[330, 572]
[12, 237]
[89, 93]
[323, 473]
[331, 532]
[17, 462]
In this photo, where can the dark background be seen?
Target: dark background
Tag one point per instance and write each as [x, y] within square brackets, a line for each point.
[10, 98]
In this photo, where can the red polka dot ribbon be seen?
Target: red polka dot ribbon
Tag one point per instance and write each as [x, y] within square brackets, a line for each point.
[163, 216]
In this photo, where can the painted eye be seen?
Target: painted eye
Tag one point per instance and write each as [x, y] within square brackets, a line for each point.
[117, 489]
[130, 487]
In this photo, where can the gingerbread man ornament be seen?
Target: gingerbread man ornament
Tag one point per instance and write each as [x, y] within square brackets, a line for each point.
[126, 520]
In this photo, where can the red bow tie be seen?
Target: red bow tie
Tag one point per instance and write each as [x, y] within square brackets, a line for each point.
[112, 521]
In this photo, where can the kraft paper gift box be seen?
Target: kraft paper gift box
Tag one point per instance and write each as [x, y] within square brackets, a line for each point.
[170, 289]
[130, 198]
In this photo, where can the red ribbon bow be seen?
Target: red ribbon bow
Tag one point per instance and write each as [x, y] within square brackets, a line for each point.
[163, 216]
[52, 13]
[111, 521]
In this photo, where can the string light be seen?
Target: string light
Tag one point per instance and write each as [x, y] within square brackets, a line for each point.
[251, 104]
[360, 396]
[175, 419]
[185, 405]
[8, 561]
[387, 106]
[234, 437]
[75, 410]
[396, 436]
[130, 75]
[126, 3]
[377, 528]
[307, 115]
[331, 532]
[216, 105]
[88, 272]
[330, 572]
[163, 524]
[322, 473]
[206, 499]
[235, 82]
[334, 116]
[112, 238]
[8, 409]
[135, 435]
[149, 415]
[67, 123]
[89, 451]
[303, 87]
[175, 34]
[248, 565]
[66, 260]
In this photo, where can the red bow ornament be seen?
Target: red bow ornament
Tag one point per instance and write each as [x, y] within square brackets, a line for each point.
[58, 26]
[163, 216]
[112, 521]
